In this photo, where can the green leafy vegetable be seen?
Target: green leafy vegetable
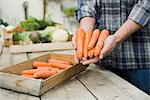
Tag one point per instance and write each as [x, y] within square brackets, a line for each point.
[46, 35]
[23, 37]
[35, 37]
[31, 24]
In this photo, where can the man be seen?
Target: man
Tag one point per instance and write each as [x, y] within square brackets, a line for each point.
[127, 50]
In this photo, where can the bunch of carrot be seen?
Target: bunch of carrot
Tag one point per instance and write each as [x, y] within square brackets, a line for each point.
[90, 44]
[43, 70]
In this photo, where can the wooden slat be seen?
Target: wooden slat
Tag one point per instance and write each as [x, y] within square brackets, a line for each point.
[34, 55]
[65, 52]
[107, 86]
[58, 78]
[5, 58]
[21, 84]
[38, 54]
[10, 95]
[18, 58]
[40, 47]
[69, 90]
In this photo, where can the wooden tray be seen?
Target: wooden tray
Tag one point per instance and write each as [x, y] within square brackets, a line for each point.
[10, 79]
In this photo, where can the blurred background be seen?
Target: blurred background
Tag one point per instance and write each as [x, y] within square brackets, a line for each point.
[32, 15]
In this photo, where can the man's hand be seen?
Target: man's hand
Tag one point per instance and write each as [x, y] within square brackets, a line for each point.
[109, 45]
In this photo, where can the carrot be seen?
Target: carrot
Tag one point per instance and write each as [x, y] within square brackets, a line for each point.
[94, 39]
[49, 68]
[103, 35]
[80, 42]
[91, 53]
[37, 63]
[43, 74]
[86, 42]
[25, 75]
[60, 61]
[59, 65]
[44, 67]
[29, 72]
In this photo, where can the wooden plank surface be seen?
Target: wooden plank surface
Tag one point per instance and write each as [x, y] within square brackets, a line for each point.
[18, 58]
[70, 90]
[41, 47]
[10, 95]
[105, 85]
[62, 92]
[6, 59]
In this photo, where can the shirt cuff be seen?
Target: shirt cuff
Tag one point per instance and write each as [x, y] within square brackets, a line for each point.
[81, 13]
[140, 15]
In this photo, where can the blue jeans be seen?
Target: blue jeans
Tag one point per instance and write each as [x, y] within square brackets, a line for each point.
[138, 77]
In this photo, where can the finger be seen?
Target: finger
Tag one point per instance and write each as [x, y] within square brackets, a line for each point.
[81, 61]
[105, 53]
[84, 58]
[94, 60]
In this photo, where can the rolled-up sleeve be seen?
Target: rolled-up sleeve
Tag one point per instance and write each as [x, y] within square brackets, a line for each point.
[141, 12]
[86, 8]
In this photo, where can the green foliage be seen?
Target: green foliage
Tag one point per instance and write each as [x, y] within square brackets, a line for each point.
[32, 24]
[3, 23]
[24, 37]
[46, 35]
[35, 37]
[69, 11]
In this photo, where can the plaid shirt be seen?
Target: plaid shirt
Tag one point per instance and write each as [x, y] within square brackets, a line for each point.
[134, 52]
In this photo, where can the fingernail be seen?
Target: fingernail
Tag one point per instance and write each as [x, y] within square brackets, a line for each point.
[101, 57]
[83, 63]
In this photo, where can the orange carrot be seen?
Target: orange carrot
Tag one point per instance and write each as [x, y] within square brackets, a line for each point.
[80, 42]
[60, 61]
[58, 65]
[29, 72]
[44, 67]
[25, 75]
[91, 53]
[49, 68]
[103, 35]
[94, 39]
[32, 71]
[43, 74]
[37, 63]
[86, 42]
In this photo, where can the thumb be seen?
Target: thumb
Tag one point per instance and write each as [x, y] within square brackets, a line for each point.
[105, 50]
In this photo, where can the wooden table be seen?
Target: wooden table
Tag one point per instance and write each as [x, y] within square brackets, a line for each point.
[95, 83]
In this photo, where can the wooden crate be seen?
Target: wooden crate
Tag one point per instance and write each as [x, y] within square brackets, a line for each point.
[35, 47]
[10, 79]
[40, 47]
